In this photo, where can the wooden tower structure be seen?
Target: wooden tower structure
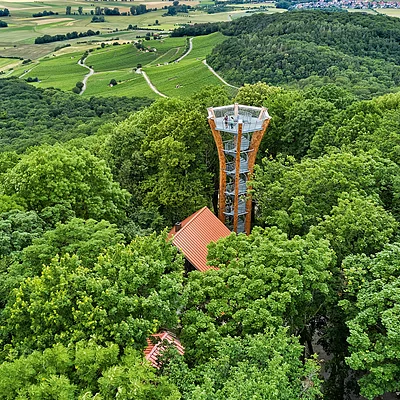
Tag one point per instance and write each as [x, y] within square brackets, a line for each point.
[238, 131]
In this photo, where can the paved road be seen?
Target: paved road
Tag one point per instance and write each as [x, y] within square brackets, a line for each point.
[87, 76]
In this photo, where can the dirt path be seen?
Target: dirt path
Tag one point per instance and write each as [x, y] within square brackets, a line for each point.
[27, 71]
[152, 87]
[219, 77]
[189, 50]
[87, 76]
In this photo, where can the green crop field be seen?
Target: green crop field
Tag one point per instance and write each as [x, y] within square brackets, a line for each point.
[129, 84]
[56, 65]
[113, 58]
[61, 72]
[190, 74]
[6, 63]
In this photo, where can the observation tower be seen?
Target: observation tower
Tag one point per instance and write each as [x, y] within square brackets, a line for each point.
[238, 131]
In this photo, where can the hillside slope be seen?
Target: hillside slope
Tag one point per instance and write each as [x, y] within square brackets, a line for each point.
[352, 50]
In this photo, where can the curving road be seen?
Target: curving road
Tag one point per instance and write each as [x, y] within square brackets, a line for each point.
[152, 87]
[189, 50]
[87, 76]
[218, 76]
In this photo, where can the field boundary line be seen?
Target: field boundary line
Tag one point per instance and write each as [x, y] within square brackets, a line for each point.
[218, 76]
[152, 87]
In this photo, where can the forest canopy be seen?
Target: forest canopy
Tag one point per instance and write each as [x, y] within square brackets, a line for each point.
[311, 49]
[90, 188]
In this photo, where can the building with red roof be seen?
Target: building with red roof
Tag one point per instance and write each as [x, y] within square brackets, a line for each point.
[157, 343]
[192, 236]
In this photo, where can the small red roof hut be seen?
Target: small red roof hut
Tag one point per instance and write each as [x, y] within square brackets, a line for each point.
[192, 235]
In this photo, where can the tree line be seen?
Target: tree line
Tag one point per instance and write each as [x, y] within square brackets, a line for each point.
[68, 36]
[308, 49]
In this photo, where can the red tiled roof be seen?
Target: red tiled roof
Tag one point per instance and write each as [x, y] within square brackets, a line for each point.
[156, 346]
[196, 232]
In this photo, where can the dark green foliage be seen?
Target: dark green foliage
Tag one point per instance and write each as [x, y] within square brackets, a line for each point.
[312, 48]
[4, 12]
[18, 229]
[31, 116]
[86, 369]
[44, 14]
[296, 115]
[86, 239]
[97, 18]
[68, 36]
[263, 366]
[165, 157]
[357, 225]
[365, 126]
[372, 306]
[3, 24]
[138, 10]
[196, 29]
[295, 196]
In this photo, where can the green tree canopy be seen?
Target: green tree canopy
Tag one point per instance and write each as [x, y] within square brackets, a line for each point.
[263, 280]
[165, 156]
[356, 225]
[363, 126]
[262, 366]
[372, 305]
[86, 239]
[81, 372]
[128, 294]
[53, 177]
[295, 196]
[18, 229]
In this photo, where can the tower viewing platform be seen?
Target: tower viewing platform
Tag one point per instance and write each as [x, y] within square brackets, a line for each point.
[238, 131]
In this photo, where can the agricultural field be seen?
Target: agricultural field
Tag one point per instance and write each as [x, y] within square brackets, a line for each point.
[129, 84]
[128, 56]
[55, 63]
[188, 75]
[62, 72]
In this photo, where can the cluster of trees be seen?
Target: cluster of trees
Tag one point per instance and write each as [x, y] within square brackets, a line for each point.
[30, 116]
[213, 9]
[97, 18]
[5, 12]
[196, 29]
[68, 36]
[3, 24]
[138, 10]
[176, 8]
[44, 13]
[312, 48]
[87, 275]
